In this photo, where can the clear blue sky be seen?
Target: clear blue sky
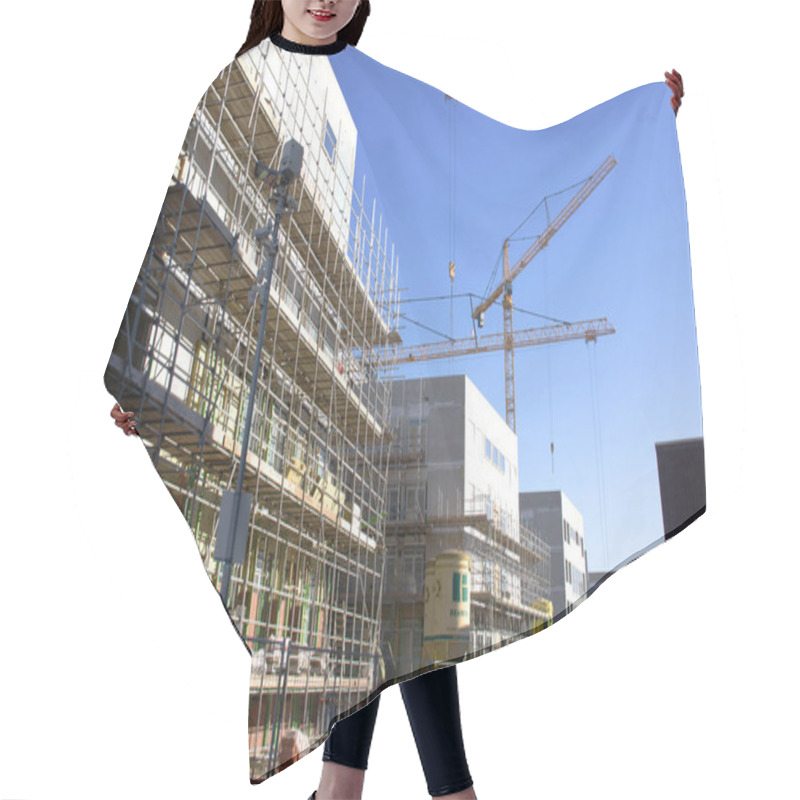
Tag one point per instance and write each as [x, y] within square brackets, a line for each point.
[623, 255]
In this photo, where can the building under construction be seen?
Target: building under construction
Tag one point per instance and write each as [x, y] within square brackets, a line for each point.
[454, 542]
[306, 596]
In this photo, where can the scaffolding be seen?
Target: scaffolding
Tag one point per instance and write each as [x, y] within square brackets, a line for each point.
[307, 599]
[510, 578]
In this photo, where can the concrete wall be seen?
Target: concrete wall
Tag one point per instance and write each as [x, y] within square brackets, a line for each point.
[682, 482]
[440, 463]
[452, 420]
[498, 478]
[547, 513]
[284, 93]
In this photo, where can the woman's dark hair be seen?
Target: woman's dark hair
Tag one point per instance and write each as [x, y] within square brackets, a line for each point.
[266, 18]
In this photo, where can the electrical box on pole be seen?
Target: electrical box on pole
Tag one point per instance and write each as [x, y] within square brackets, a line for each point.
[231, 542]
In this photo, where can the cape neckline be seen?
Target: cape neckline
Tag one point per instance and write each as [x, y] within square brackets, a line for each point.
[310, 49]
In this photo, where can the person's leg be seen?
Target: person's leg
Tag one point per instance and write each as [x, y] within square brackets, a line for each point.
[431, 701]
[433, 710]
[344, 759]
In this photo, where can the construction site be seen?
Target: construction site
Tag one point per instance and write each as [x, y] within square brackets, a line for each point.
[453, 509]
[314, 495]
[454, 542]
[306, 597]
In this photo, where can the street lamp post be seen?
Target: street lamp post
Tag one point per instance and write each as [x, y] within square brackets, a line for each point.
[235, 532]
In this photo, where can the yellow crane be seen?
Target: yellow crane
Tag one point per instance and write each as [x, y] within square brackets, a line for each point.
[510, 273]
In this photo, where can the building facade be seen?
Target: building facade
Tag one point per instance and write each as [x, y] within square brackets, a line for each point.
[453, 521]
[306, 596]
[553, 516]
[681, 482]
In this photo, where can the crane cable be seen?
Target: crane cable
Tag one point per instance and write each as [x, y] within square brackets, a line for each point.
[451, 146]
[512, 238]
[549, 371]
[598, 442]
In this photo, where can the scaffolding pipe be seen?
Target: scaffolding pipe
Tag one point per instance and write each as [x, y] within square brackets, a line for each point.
[285, 204]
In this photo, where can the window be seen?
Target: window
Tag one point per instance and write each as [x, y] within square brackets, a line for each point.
[481, 575]
[413, 572]
[258, 569]
[390, 576]
[393, 504]
[460, 587]
[330, 142]
[132, 343]
[415, 502]
[409, 643]
[491, 453]
[417, 433]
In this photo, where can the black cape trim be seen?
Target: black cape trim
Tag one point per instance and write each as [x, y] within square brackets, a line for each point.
[310, 49]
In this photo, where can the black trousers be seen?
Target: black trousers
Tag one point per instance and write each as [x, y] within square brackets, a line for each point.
[431, 701]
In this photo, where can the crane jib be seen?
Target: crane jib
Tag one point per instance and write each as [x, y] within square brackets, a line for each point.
[544, 239]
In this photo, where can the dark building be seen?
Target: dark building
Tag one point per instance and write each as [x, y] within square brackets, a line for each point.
[682, 481]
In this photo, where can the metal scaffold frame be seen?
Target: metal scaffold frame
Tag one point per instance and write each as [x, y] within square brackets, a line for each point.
[475, 526]
[307, 598]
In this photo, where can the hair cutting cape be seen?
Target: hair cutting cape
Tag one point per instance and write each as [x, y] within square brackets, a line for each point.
[419, 381]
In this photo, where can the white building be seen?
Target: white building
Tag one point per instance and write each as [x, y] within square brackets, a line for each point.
[553, 516]
[305, 594]
[453, 486]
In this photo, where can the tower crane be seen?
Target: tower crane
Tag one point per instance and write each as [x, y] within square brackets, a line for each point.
[588, 330]
[510, 273]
